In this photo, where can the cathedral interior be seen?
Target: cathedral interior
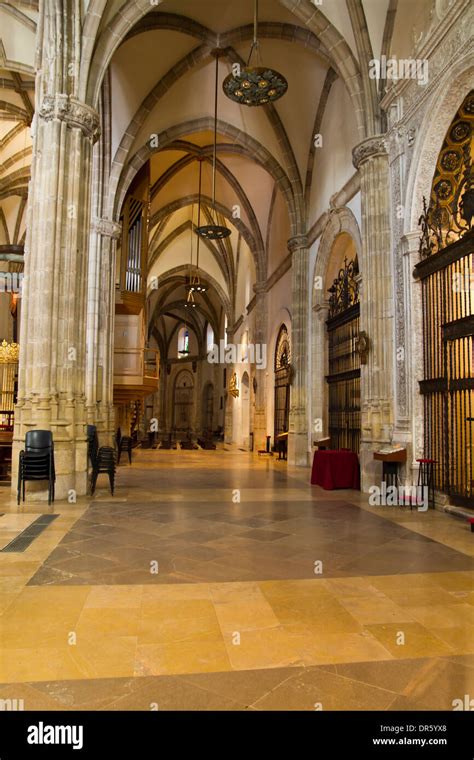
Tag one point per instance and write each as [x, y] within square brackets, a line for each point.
[236, 355]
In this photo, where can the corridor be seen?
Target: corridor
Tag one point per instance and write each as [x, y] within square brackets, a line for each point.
[222, 580]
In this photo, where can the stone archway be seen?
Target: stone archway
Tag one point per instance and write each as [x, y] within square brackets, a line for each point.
[99, 49]
[282, 387]
[438, 114]
[341, 225]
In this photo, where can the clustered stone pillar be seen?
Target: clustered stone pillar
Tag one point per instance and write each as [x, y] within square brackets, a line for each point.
[319, 365]
[100, 328]
[228, 397]
[260, 339]
[298, 445]
[51, 386]
[414, 355]
[376, 308]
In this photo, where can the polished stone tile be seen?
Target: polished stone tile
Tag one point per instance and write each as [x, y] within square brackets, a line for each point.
[179, 597]
[316, 689]
[407, 640]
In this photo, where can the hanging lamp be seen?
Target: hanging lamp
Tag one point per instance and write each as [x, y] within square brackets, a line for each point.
[255, 85]
[213, 231]
[195, 284]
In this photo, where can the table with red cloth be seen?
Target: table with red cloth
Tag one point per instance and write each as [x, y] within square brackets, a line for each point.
[335, 469]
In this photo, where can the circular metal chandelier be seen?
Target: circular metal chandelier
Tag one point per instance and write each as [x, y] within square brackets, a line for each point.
[213, 231]
[193, 282]
[254, 85]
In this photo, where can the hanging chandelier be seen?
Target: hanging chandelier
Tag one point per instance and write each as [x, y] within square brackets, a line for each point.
[255, 85]
[190, 303]
[194, 283]
[213, 231]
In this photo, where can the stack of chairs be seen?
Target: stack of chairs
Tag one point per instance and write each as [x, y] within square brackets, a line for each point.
[124, 443]
[187, 443]
[92, 443]
[105, 462]
[36, 461]
[103, 459]
[206, 442]
[166, 443]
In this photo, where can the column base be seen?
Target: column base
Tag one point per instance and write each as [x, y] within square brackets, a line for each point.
[259, 431]
[298, 454]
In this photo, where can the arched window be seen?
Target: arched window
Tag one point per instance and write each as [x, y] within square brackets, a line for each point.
[282, 353]
[183, 342]
[209, 338]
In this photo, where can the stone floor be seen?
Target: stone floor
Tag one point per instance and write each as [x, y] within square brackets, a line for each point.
[220, 580]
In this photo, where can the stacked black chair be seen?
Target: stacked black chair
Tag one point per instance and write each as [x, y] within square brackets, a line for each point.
[104, 461]
[124, 443]
[92, 443]
[36, 461]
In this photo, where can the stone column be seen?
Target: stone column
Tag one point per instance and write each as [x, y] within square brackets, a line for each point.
[162, 395]
[260, 338]
[411, 432]
[376, 309]
[228, 397]
[298, 442]
[319, 364]
[51, 387]
[198, 399]
[100, 328]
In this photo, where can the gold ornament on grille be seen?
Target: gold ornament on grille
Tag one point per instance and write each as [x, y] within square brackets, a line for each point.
[448, 215]
[9, 352]
[234, 386]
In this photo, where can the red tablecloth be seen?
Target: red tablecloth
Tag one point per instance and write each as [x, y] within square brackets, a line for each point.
[335, 469]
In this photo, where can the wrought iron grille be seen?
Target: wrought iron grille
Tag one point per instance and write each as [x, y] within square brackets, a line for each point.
[282, 383]
[344, 360]
[446, 271]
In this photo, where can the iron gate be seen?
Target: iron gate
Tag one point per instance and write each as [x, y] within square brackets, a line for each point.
[344, 359]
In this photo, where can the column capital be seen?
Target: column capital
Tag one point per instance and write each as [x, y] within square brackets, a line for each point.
[369, 148]
[73, 112]
[260, 287]
[410, 242]
[297, 242]
[107, 228]
[321, 311]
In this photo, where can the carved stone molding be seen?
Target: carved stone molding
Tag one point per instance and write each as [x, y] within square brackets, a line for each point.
[298, 242]
[77, 115]
[367, 149]
[259, 288]
[321, 311]
[107, 228]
